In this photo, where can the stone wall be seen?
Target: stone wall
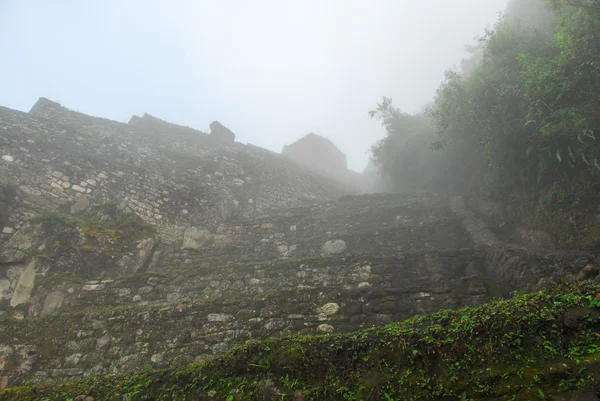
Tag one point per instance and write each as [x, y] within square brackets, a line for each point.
[211, 310]
[94, 245]
[77, 327]
[440, 273]
[171, 176]
[334, 267]
[509, 267]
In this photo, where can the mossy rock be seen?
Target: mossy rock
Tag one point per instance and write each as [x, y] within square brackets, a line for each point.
[88, 244]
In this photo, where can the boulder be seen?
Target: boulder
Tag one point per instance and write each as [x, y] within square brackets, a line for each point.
[25, 285]
[333, 247]
[137, 263]
[587, 273]
[221, 133]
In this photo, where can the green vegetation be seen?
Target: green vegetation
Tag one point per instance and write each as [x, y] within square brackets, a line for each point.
[518, 123]
[108, 206]
[531, 347]
[101, 223]
[88, 241]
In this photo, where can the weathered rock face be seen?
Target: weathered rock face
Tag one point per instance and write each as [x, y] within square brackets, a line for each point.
[221, 133]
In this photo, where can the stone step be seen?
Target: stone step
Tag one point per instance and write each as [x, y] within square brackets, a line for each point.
[427, 272]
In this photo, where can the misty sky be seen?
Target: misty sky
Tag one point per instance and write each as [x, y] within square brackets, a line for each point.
[271, 70]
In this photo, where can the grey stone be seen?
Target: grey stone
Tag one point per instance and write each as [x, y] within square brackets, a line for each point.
[219, 317]
[153, 281]
[72, 360]
[52, 304]
[132, 264]
[325, 328]
[25, 285]
[145, 290]
[195, 238]
[103, 343]
[80, 205]
[330, 309]
[93, 287]
[334, 247]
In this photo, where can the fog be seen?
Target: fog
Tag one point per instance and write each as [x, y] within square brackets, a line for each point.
[270, 70]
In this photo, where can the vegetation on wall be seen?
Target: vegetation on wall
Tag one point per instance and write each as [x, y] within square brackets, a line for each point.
[535, 347]
[521, 120]
[86, 241]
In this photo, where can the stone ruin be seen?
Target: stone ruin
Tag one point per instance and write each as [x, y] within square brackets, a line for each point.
[318, 154]
[149, 243]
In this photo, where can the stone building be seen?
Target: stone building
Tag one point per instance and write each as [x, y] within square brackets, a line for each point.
[318, 152]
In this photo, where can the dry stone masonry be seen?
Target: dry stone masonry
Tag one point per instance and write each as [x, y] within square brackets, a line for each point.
[149, 243]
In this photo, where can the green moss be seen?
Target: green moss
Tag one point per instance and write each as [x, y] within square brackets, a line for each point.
[108, 206]
[55, 279]
[54, 218]
[87, 248]
[105, 235]
[531, 345]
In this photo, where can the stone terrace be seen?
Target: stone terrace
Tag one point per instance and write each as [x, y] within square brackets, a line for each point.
[169, 246]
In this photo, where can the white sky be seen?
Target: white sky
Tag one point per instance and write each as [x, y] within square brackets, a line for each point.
[271, 70]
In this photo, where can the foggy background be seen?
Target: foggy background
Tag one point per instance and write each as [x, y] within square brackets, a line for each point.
[270, 70]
